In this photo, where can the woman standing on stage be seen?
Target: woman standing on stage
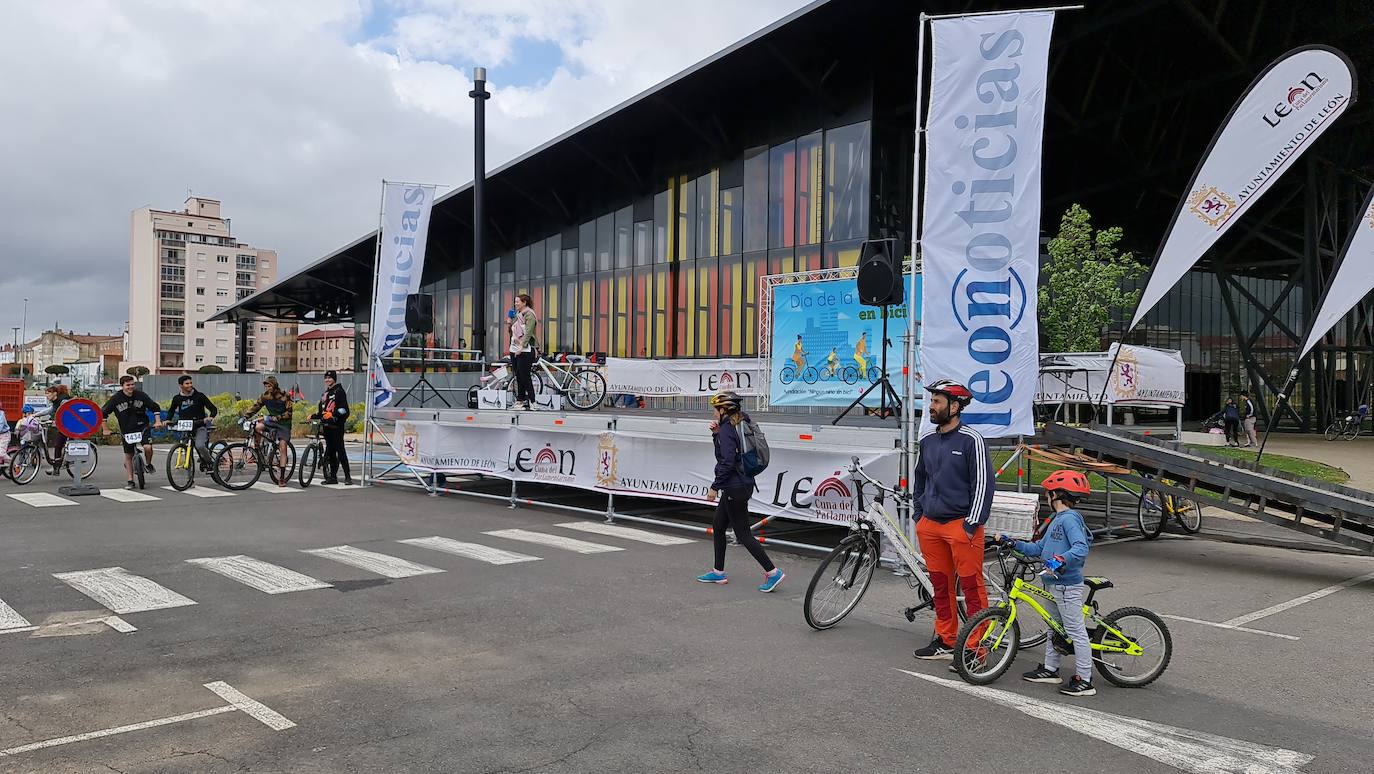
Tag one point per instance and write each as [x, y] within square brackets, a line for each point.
[732, 487]
[523, 351]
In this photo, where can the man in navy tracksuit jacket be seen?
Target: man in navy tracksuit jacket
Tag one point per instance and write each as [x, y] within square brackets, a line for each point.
[953, 489]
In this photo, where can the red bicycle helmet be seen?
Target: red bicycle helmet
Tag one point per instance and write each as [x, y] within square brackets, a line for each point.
[1071, 481]
[952, 390]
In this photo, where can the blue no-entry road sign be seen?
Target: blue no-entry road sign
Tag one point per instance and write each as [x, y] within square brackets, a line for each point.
[78, 418]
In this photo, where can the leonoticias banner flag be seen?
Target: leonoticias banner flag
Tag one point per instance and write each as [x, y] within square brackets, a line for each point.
[1278, 118]
[981, 241]
[1353, 280]
[400, 262]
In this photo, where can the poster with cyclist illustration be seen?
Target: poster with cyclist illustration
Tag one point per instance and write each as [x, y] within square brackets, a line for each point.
[825, 346]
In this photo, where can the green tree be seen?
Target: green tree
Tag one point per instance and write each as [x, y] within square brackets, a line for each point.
[57, 370]
[210, 369]
[1085, 279]
[138, 372]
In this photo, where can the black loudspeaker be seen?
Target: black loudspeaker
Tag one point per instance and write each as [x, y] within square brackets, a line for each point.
[420, 313]
[880, 273]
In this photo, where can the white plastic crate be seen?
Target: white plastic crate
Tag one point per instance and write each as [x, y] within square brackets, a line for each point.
[1013, 513]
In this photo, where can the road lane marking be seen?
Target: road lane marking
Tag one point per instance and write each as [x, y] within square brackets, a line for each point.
[263, 576]
[263, 486]
[120, 591]
[1187, 750]
[118, 624]
[381, 564]
[614, 530]
[10, 618]
[41, 499]
[470, 550]
[202, 491]
[238, 702]
[54, 629]
[1302, 600]
[126, 496]
[255, 709]
[1228, 626]
[340, 486]
[554, 541]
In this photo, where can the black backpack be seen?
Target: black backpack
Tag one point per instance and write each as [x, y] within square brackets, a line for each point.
[753, 446]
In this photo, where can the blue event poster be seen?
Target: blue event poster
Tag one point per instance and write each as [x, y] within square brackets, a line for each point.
[826, 344]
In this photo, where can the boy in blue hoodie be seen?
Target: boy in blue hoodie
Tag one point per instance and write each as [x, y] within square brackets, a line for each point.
[1064, 549]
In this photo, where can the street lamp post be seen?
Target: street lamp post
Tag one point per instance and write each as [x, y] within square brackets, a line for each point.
[479, 95]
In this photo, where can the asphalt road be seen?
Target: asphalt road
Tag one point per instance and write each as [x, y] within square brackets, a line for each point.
[609, 661]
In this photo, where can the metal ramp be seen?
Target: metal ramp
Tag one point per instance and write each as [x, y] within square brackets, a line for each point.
[1331, 511]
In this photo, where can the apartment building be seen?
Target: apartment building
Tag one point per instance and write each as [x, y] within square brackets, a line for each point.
[325, 349]
[185, 266]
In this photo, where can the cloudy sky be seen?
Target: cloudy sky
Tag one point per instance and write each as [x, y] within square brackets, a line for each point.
[288, 112]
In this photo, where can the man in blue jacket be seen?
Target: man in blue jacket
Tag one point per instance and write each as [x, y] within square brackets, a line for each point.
[952, 492]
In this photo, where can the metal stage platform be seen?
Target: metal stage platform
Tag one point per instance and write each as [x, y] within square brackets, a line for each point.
[1337, 513]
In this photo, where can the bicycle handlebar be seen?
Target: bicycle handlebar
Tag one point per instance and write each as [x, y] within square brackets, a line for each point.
[858, 470]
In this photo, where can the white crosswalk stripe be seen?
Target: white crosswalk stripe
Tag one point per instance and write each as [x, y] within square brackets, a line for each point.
[613, 530]
[263, 486]
[10, 618]
[381, 564]
[470, 550]
[203, 491]
[126, 496]
[263, 576]
[120, 591]
[41, 499]
[554, 541]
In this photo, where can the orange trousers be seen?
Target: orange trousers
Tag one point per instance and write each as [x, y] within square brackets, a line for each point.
[951, 556]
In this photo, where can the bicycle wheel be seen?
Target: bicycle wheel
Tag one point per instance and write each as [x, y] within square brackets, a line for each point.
[1334, 430]
[1150, 515]
[24, 465]
[874, 374]
[94, 463]
[986, 645]
[279, 469]
[1145, 629]
[140, 469]
[1189, 514]
[840, 581]
[310, 459]
[788, 374]
[586, 389]
[181, 469]
[237, 467]
[850, 374]
[1352, 431]
[810, 375]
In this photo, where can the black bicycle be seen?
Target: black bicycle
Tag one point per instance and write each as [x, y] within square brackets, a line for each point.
[312, 455]
[240, 465]
[33, 451]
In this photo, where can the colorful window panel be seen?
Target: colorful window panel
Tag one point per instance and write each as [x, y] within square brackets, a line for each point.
[809, 168]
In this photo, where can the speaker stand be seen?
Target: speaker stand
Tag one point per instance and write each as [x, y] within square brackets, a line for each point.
[889, 402]
[422, 383]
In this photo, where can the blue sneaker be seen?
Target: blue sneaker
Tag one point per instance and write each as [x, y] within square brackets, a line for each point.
[713, 577]
[772, 579]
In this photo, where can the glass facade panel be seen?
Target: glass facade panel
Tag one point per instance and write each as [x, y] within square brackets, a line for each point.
[569, 338]
[809, 189]
[605, 242]
[684, 333]
[708, 236]
[522, 264]
[756, 199]
[620, 342]
[644, 248]
[661, 319]
[846, 182]
[553, 250]
[662, 226]
[624, 251]
[643, 308]
[586, 243]
[686, 219]
[706, 312]
[782, 195]
[538, 261]
[731, 221]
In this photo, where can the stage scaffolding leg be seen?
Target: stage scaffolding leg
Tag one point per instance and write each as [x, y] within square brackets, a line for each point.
[512, 494]
[610, 507]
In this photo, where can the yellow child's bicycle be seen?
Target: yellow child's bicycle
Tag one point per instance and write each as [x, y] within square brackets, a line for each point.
[1131, 646]
[1157, 507]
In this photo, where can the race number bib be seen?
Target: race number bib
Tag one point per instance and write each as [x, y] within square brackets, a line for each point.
[133, 438]
[184, 425]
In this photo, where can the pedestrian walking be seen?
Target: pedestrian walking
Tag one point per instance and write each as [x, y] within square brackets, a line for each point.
[731, 489]
[1248, 417]
[953, 489]
[1231, 416]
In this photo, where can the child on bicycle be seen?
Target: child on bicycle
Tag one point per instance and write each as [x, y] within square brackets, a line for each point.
[1064, 549]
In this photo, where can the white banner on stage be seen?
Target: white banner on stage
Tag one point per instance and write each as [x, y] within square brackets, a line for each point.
[1284, 110]
[401, 261]
[980, 243]
[1353, 280]
[805, 483]
[660, 378]
[1143, 376]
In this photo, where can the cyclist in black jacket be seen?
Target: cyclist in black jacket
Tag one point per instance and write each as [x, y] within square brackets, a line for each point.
[333, 415]
[190, 403]
[130, 407]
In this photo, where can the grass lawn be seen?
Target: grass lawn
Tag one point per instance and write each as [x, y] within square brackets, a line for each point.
[1316, 471]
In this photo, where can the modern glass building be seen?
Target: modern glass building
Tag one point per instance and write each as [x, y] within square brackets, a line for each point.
[644, 231]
